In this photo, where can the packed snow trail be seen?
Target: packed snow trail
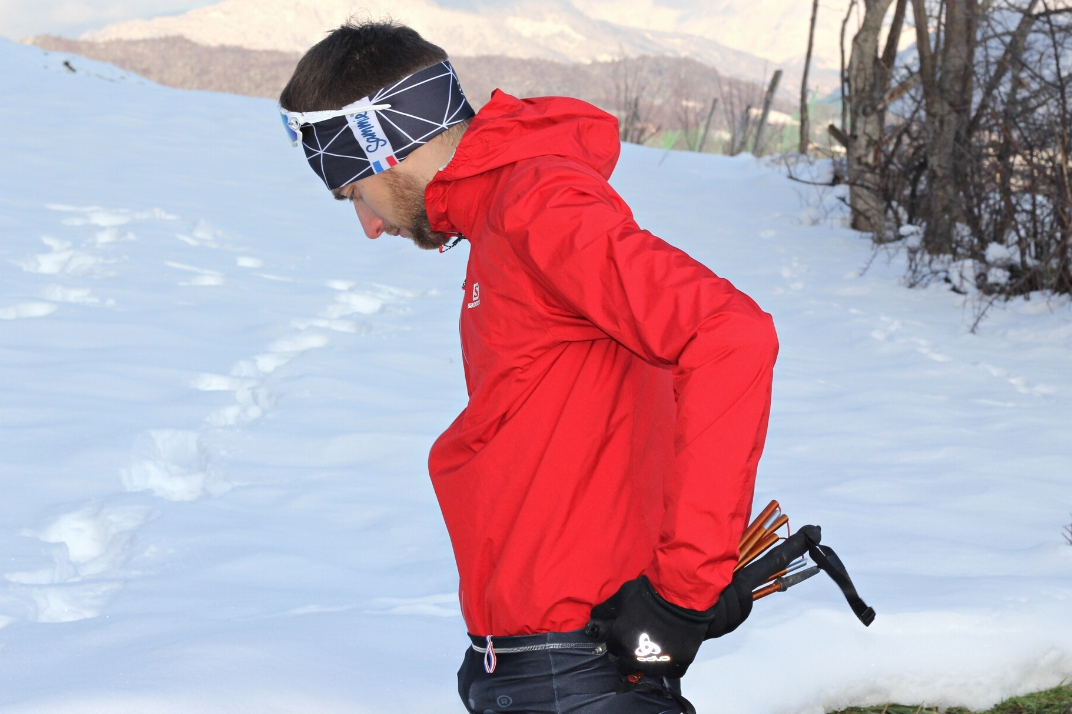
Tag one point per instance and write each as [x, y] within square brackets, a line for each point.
[217, 400]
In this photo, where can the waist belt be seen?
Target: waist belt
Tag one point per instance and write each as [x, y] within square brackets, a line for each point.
[491, 646]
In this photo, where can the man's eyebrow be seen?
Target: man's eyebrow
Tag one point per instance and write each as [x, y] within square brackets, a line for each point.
[339, 195]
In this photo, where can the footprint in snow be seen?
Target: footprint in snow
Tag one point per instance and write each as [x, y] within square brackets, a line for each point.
[792, 273]
[88, 547]
[89, 259]
[252, 399]
[107, 217]
[204, 236]
[889, 326]
[172, 464]
[63, 259]
[1020, 384]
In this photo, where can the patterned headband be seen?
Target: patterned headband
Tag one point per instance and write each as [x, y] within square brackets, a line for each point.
[378, 131]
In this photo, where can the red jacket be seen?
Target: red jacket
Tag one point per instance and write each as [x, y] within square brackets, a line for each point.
[618, 389]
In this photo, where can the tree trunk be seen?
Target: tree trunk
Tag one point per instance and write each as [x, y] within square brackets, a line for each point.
[737, 144]
[805, 129]
[761, 130]
[846, 98]
[869, 79]
[707, 126]
[948, 116]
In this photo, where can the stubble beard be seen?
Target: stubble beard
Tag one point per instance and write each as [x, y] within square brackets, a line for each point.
[409, 197]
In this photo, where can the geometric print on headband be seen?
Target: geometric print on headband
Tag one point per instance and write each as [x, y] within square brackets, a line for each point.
[423, 105]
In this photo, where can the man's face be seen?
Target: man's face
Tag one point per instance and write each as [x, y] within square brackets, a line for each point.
[392, 202]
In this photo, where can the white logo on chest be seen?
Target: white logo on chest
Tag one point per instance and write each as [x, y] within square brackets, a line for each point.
[476, 295]
[648, 651]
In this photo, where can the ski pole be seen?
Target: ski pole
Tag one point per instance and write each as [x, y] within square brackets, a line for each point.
[782, 584]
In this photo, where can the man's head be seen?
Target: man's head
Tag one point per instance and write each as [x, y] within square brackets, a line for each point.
[380, 159]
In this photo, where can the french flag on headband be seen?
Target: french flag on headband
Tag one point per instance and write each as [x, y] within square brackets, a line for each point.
[371, 138]
[386, 163]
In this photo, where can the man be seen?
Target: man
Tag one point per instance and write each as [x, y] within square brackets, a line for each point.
[597, 483]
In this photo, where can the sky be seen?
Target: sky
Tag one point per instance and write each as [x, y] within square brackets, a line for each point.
[20, 19]
[70, 18]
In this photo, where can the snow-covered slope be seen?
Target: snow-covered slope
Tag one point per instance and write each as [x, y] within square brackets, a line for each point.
[216, 401]
[550, 29]
[547, 29]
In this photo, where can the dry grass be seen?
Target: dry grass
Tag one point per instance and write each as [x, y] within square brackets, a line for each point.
[1052, 701]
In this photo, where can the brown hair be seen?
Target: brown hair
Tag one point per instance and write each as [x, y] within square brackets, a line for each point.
[353, 62]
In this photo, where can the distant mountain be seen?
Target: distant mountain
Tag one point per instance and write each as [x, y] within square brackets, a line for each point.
[674, 83]
[774, 29]
[556, 30]
[178, 62]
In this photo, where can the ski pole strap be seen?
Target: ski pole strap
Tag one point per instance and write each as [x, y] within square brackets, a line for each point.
[806, 539]
[831, 564]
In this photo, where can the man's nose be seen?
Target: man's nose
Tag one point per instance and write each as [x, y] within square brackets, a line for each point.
[372, 224]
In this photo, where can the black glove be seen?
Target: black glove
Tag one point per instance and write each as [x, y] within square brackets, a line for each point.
[735, 603]
[733, 607]
[636, 611]
[646, 634]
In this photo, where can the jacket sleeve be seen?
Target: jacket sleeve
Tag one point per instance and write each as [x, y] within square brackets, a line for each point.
[580, 241]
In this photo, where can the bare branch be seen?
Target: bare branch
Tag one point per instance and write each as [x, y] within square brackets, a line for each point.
[1013, 52]
[903, 88]
[838, 135]
[805, 129]
[889, 55]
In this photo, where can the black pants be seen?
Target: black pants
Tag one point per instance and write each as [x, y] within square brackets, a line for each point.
[556, 673]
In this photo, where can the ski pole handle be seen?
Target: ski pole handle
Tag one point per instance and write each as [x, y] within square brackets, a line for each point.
[779, 557]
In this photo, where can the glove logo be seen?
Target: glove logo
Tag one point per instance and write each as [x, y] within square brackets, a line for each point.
[648, 651]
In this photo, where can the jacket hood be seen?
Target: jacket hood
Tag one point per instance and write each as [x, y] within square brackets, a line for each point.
[507, 130]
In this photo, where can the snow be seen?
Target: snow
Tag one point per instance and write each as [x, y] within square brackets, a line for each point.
[999, 253]
[217, 400]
